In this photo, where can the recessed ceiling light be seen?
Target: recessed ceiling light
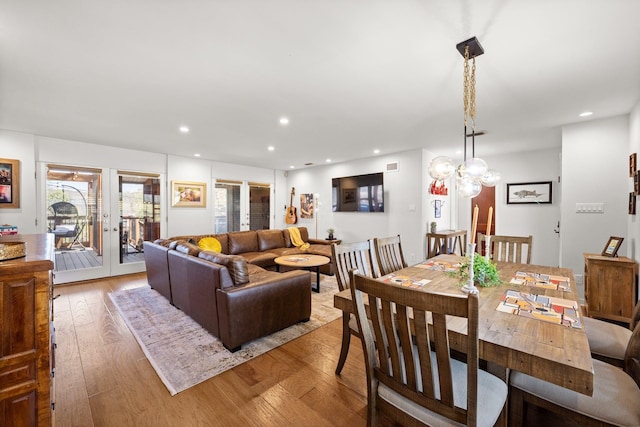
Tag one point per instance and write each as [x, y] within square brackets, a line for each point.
[184, 129]
[196, 155]
[328, 160]
[376, 151]
[586, 114]
[271, 148]
[291, 167]
[284, 121]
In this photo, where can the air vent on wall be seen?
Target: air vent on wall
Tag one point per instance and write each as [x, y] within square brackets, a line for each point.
[392, 167]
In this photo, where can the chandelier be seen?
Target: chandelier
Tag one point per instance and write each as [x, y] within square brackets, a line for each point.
[472, 173]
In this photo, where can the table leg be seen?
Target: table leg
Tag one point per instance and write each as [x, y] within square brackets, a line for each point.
[317, 287]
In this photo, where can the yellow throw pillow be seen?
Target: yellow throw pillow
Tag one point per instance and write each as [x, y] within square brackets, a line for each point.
[210, 244]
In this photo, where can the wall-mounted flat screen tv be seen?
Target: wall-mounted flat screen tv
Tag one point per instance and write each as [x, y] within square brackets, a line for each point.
[359, 193]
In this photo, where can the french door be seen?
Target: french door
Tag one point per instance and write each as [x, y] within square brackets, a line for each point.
[241, 205]
[99, 218]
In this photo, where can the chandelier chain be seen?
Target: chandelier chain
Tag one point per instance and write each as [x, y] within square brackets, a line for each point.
[465, 89]
[469, 89]
[472, 94]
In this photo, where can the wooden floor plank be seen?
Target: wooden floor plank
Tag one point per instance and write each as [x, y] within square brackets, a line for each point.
[104, 379]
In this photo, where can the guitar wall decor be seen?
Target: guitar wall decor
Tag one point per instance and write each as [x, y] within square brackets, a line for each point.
[291, 217]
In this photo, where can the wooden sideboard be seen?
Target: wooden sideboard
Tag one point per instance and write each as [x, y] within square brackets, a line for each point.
[610, 286]
[26, 333]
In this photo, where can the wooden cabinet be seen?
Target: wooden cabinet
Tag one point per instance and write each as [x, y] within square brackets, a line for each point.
[26, 334]
[610, 286]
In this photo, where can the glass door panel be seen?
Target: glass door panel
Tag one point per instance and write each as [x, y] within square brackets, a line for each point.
[139, 214]
[75, 216]
[235, 200]
[227, 206]
[259, 206]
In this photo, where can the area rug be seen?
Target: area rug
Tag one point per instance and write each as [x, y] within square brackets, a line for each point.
[185, 354]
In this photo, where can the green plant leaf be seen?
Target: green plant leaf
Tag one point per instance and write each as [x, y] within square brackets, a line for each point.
[485, 272]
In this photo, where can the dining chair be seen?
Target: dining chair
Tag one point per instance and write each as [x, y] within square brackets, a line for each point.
[348, 256]
[408, 382]
[615, 400]
[510, 248]
[389, 254]
[608, 342]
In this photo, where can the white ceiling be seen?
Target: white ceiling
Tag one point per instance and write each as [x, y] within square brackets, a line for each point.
[352, 75]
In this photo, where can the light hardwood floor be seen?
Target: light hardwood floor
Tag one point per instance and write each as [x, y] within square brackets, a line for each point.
[104, 379]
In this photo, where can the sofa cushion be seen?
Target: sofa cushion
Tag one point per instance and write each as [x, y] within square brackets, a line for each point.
[235, 264]
[263, 259]
[210, 244]
[187, 248]
[304, 234]
[270, 239]
[242, 241]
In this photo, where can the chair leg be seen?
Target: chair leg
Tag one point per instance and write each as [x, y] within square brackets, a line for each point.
[515, 407]
[346, 340]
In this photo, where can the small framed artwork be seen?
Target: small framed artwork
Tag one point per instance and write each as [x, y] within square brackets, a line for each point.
[9, 184]
[612, 246]
[349, 195]
[636, 183]
[306, 205]
[632, 203]
[529, 192]
[189, 194]
[633, 159]
[437, 208]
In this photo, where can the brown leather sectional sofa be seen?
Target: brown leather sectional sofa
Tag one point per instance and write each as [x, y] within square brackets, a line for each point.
[262, 247]
[235, 295]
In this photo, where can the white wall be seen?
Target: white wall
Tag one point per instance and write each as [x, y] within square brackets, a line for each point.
[595, 169]
[184, 221]
[21, 146]
[536, 220]
[405, 198]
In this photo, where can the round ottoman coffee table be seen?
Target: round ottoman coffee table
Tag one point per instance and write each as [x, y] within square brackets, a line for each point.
[304, 261]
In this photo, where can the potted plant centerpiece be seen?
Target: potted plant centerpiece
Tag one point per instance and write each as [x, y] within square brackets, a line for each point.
[485, 272]
[433, 226]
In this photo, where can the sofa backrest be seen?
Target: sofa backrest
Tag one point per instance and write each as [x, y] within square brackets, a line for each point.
[304, 234]
[236, 266]
[194, 285]
[270, 239]
[222, 238]
[157, 265]
[243, 241]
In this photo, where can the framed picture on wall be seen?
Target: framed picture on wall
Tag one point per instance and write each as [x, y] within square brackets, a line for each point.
[632, 203]
[529, 192]
[189, 194]
[633, 159]
[612, 246]
[9, 184]
[306, 205]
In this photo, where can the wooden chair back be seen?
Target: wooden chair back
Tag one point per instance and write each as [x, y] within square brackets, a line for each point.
[349, 256]
[401, 358]
[389, 254]
[511, 248]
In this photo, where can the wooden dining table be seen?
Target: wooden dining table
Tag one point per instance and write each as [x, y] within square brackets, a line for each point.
[552, 352]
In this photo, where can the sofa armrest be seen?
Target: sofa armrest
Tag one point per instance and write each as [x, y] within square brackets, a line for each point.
[324, 242]
[260, 308]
